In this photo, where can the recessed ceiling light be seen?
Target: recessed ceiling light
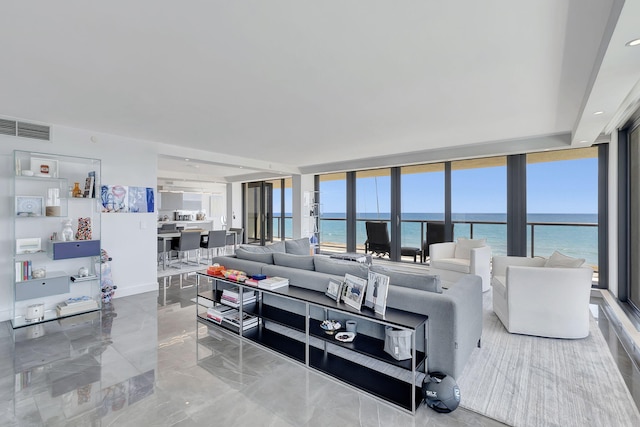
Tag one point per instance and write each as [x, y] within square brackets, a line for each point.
[186, 160]
[597, 113]
[584, 141]
[634, 42]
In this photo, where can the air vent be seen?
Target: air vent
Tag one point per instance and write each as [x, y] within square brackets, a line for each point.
[25, 130]
[30, 130]
[7, 127]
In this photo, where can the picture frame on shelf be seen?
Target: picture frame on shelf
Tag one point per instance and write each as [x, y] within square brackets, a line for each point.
[29, 206]
[44, 168]
[28, 245]
[377, 290]
[334, 290]
[356, 288]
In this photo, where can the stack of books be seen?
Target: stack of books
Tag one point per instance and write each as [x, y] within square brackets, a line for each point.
[76, 305]
[230, 317]
[273, 283]
[231, 297]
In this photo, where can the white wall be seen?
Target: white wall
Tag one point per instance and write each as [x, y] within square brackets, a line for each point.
[129, 238]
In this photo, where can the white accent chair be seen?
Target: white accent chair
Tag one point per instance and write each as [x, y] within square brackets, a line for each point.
[452, 260]
[533, 299]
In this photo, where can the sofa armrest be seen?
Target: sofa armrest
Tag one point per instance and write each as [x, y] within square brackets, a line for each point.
[455, 320]
[442, 250]
[500, 263]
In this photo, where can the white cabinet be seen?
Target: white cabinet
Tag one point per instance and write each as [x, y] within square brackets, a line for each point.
[43, 261]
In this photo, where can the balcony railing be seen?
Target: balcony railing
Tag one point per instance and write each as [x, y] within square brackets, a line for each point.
[543, 237]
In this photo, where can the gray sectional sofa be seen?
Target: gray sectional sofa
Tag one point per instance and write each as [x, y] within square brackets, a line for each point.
[455, 314]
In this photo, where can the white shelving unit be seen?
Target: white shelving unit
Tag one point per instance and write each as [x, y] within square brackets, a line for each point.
[42, 186]
[311, 215]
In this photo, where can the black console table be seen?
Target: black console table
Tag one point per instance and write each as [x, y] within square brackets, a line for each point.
[289, 320]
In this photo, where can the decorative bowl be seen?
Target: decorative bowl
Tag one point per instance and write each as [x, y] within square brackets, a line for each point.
[330, 326]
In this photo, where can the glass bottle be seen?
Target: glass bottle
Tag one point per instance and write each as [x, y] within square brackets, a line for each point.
[77, 192]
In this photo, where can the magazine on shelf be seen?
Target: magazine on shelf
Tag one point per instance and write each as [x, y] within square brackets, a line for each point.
[377, 290]
[217, 312]
[235, 292]
[273, 282]
[76, 305]
[236, 304]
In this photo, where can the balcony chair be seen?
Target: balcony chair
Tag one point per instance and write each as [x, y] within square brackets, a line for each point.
[435, 234]
[188, 241]
[217, 239]
[542, 297]
[452, 260]
[377, 242]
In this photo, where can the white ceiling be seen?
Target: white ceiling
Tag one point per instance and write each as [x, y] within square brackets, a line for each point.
[292, 85]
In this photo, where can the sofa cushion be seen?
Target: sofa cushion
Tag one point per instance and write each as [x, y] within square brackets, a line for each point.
[559, 260]
[274, 247]
[453, 264]
[298, 246]
[423, 282]
[301, 278]
[302, 262]
[337, 267]
[264, 257]
[464, 246]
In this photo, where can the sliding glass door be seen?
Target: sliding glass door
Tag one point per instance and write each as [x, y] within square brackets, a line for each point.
[259, 212]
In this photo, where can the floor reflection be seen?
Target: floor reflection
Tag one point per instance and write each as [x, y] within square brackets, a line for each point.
[82, 370]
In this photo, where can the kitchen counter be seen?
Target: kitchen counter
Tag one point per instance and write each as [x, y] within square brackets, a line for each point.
[205, 225]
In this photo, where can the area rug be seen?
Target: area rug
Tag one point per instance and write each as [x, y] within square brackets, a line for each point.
[530, 381]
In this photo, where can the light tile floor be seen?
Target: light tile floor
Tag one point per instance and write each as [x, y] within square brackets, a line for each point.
[148, 362]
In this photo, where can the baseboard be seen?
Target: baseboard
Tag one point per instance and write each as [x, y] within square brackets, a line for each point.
[136, 289]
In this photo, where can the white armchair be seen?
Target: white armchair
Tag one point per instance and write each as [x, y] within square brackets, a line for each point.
[452, 260]
[532, 299]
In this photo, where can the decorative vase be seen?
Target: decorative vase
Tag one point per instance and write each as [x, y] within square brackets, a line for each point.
[67, 231]
[76, 192]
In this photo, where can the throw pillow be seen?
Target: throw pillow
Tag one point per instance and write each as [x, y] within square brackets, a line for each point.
[298, 246]
[464, 246]
[301, 262]
[264, 257]
[559, 260]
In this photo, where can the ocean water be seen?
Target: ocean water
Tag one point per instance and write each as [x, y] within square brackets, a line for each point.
[574, 240]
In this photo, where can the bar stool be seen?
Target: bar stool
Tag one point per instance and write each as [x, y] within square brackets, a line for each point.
[188, 241]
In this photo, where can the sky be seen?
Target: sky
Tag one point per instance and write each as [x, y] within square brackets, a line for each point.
[568, 186]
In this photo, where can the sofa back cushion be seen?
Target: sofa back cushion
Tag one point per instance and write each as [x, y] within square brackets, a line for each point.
[302, 262]
[560, 260]
[264, 257]
[422, 282]
[298, 246]
[337, 267]
[274, 247]
[464, 246]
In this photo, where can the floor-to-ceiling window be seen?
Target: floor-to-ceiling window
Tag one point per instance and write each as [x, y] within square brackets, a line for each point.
[282, 209]
[562, 203]
[373, 201]
[333, 212]
[634, 225]
[422, 200]
[479, 201]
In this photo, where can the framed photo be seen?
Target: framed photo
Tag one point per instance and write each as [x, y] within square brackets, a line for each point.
[29, 206]
[377, 290]
[356, 288]
[44, 167]
[29, 245]
[334, 290]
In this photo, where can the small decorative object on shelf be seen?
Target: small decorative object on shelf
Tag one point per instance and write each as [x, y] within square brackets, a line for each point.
[76, 192]
[67, 231]
[35, 313]
[84, 229]
[330, 326]
[39, 273]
